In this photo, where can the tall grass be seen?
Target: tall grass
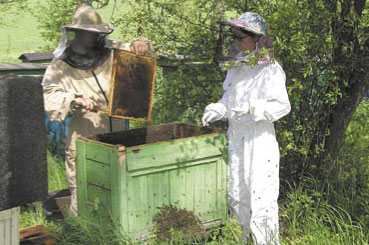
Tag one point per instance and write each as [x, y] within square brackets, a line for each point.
[75, 231]
[57, 178]
[308, 218]
[34, 214]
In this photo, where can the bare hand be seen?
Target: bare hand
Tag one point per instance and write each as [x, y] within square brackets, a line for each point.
[86, 104]
[139, 47]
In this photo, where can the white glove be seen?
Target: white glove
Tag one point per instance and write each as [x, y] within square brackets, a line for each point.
[242, 109]
[209, 117]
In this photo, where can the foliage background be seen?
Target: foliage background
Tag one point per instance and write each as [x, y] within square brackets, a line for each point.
[321, 44]
[323, 48]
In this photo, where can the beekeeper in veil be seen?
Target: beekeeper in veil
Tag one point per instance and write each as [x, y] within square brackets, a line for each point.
[254, 97]
[77, 82]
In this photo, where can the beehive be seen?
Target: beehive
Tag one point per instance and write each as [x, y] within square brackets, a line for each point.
[126, 176]
[9, 226]
[23, 168]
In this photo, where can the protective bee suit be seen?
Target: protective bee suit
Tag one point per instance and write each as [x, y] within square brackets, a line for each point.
[254, 98]
[71, 76]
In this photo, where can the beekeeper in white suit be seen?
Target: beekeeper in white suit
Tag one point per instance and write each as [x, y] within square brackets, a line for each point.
[255, 96]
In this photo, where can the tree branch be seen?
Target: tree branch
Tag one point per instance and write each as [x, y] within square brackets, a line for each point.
[359, 6]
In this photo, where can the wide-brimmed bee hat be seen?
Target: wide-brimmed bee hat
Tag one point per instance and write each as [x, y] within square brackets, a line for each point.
[88, 19]
[251, 22]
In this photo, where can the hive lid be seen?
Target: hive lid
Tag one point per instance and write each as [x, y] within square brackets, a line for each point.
[132, 85]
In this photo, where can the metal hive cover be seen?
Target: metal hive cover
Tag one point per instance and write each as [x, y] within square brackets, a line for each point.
[131, 86]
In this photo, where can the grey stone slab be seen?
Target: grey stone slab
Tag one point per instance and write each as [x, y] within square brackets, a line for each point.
[23, 167]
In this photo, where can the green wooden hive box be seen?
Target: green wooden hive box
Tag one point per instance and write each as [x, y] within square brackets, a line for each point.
[125, 176]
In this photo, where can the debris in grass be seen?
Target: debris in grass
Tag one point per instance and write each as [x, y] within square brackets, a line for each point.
[37, 235]
[172, 223]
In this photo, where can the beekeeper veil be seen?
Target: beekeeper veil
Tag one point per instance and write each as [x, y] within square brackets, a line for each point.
[88, 19]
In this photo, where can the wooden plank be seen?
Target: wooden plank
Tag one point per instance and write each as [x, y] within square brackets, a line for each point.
[33, 73]
[173, 152]
[81, 178]
[210, 193]
[222, 194]
[2, 232]
[114, 186]
[158, 191]
[5, 214]
[167, 168]
[101, 199]
[38, 234]
[145, 219]
[138, 203]
[119, 165]
[190, 187]
[97, 152]
[9, 226]
[34, 57]
[142, 204]
[96, 192]
[15, 225]
[151, 209]
[177, 181]
[98, 174]
[199, 197]
[131, 203]
[7, 235]
[21, 67]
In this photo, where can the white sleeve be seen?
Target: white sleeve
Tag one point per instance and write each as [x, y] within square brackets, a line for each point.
[273, 102]
[56, 97]
[221, 106]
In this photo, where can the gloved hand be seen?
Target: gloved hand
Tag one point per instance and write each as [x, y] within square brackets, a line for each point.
[242, 109]
[208, 117]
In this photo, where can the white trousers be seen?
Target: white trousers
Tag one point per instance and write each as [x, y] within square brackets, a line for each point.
[253, 180]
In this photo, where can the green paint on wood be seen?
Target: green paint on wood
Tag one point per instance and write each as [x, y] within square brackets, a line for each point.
[99, 204]
[98, 174]
[98, 152]
[81, 178]
[115, 176]
[129, 184]
[172, 152]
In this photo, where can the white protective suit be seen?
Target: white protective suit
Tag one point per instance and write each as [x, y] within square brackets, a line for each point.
[253, 176]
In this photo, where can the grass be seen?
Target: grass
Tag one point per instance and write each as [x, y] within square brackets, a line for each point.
[306, 218]
[34, 214]
[22, 34]
[57, 176]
